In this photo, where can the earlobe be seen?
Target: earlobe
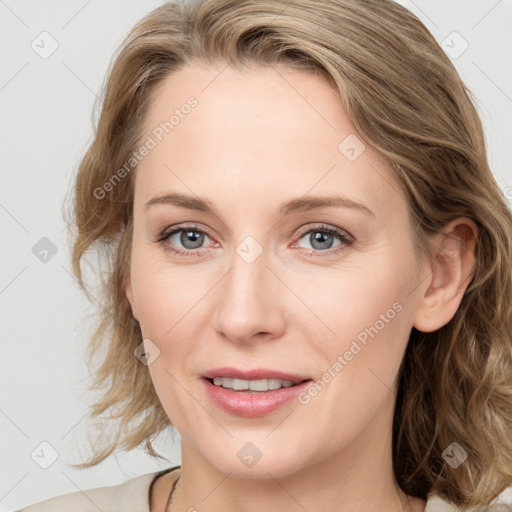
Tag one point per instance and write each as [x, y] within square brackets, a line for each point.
[129, 295]
[451, 271]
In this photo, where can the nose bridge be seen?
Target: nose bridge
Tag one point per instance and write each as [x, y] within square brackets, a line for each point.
[248, 299]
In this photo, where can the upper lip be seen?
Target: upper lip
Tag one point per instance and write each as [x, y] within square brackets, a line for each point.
[253, 374]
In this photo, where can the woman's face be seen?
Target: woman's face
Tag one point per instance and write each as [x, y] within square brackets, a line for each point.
[268, 278]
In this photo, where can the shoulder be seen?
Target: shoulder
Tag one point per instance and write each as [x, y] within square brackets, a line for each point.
[436, 504]
[128, 496]
[503, 503]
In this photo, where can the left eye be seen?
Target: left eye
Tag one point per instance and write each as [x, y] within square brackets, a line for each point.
[321, 239]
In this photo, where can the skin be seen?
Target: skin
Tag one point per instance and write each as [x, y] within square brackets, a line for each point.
[257, 138]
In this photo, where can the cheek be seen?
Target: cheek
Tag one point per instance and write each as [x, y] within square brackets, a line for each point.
[370, 317]
[345, 303]
[163, 293]
[366, 319]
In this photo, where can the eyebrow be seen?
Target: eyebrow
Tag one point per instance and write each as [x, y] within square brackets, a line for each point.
[293, 205]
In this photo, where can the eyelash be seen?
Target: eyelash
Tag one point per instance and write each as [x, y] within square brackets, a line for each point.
[321, 228]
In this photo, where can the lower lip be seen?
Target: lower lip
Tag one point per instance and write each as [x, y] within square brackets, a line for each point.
[252, 404]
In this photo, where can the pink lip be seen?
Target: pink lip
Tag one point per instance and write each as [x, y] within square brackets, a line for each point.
[255, 374]
[251, 405]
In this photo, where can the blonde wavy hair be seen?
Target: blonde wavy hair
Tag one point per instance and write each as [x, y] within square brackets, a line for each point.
[406, 99]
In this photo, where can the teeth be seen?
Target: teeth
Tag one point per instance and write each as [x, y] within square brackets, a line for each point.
[252, 385]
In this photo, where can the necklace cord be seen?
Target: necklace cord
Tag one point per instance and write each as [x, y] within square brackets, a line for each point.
[171, 495]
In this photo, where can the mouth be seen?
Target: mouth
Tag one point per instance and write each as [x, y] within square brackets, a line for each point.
[252, 393]
[255, 385]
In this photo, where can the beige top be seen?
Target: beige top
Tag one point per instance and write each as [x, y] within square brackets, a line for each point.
[133, 496]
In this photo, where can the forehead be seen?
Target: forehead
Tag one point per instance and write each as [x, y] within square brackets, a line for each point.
[257, 133]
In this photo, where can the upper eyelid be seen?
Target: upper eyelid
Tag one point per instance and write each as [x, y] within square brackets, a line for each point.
[324, 227]
[175, 229]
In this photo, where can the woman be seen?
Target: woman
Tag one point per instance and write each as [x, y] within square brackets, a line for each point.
[310, 264]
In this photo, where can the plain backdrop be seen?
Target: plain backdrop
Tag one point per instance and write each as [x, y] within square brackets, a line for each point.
[53, 58]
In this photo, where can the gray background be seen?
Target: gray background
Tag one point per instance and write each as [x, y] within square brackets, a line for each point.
[46, 110]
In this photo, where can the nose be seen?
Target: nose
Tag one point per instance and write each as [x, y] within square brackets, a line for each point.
[249, 302]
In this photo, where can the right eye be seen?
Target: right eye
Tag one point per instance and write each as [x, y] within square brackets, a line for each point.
[190, 237]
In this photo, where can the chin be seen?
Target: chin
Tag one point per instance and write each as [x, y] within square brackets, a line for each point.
[254, 460]
[262, 470]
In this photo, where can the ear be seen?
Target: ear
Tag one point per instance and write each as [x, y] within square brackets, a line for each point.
[129, 295]
[451, 271]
